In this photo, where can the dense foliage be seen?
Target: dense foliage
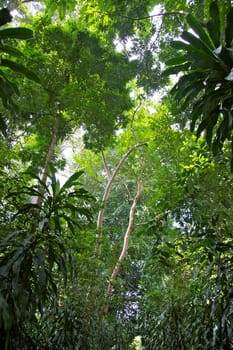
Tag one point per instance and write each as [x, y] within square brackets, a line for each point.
[116, 218]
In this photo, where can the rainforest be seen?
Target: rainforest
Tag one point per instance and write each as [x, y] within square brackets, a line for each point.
[116, 185]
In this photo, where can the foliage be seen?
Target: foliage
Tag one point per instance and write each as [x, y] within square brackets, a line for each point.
[8, 62]
[35, 250]
[188, 302]
[99, 65]
[204, 56]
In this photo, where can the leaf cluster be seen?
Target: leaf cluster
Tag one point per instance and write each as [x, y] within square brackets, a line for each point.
[205, 60]
[35, 250]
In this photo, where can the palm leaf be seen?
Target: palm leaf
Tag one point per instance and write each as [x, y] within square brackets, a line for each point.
[198, 44]
[199, 30]
[229, 31]
[176, 69]
[213, 25]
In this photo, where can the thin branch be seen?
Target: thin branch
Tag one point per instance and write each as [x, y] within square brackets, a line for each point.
[172, 13]
[106, 195]
[132, 121]
[106, 167]
[91, 291]
[124, 248]
[143, 223]
[127, 191]
[161, 14]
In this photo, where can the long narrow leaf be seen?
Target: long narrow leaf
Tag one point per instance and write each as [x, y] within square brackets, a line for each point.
[16, 33]
[177, 60]
[20, 69]
[200, 31]
[176, 69]
[9, 83]
[11, 51]
[71, 181]
[229, 31]
[198, 44]
[36, 177]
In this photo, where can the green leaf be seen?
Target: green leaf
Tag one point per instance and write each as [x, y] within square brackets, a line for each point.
[36, 177]
[180, 45]
[9, 237]
[209, 129]
[71, 181]
[191, 92]
[186, 81]
[5, 16]
[213, 25]
[200, 31]
[177, 60]
[11, 51]
[71, 207]
[6, 87]
[196, 113]
[16, 33]
[57, 223]
[20, 69]
[176, 69]
[214, 11]
[198, 44]
[229, 29]
[9, 83]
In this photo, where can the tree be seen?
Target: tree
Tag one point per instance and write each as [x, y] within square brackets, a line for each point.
[125, 264]
[35, 251]
[9, 54]
[206, 84]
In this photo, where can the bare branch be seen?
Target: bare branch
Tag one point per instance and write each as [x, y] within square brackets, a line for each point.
[98, 247]
[124, 248]
[106, 195]
[106, 167]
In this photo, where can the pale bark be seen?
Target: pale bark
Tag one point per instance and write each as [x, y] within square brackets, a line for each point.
[106, 167]
[106, 196]
[98, 247]
[123, 254]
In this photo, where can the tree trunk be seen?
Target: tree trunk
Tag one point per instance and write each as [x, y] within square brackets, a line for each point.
[98, 246]
[124, 248]
[106, 196]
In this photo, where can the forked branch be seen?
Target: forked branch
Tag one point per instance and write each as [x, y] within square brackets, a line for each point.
[106, 195]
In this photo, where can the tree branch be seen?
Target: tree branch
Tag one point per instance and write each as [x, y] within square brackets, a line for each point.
[106, 195]
[172, 13]
[124, 248]
[106, 167]
[98, 247]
